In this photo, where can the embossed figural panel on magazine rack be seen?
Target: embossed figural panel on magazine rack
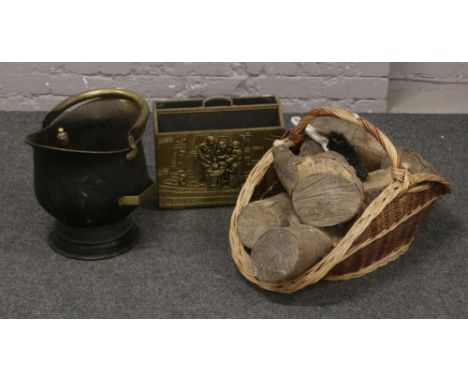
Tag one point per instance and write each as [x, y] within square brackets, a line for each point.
[205, 149]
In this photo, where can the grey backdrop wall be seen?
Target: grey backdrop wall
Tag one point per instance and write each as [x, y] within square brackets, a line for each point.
[300, 86]
[428, 87]
[362, 87]
[430, 72]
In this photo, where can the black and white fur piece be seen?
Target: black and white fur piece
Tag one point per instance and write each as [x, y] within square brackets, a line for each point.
[338, 142]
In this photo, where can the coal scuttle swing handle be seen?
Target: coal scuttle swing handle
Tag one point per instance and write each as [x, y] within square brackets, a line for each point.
[106, 93]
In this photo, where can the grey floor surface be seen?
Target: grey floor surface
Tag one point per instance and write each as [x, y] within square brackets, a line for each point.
[181, 267]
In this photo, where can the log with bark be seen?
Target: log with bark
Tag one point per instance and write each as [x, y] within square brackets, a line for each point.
[411, 160]
[324, 188]
[258, 217]
[310, 147]
[378, 180]
[366, 145]
[284, 253]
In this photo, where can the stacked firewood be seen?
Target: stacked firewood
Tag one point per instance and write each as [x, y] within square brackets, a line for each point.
[324, 192]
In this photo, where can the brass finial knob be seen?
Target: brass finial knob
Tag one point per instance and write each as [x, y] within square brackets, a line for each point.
[63, 139]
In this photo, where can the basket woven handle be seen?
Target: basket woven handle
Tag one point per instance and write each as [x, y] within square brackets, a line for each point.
[296, 134]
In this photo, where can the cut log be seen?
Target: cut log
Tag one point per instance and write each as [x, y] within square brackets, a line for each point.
[366, 145]
[324, 200]
[412, 161]
[378, 180]
[324, 188]
[310, 147]
[285, 163]
[258, 217]
[284, 253]
[336, 232]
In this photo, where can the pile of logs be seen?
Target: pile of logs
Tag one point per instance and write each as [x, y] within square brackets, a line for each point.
[290, 232]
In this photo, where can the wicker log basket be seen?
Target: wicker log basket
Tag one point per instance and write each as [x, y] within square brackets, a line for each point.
[382, 233]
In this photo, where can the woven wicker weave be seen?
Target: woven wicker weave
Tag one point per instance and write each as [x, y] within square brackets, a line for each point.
[382, 233]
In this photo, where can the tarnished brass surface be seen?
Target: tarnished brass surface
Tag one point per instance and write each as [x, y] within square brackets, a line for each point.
[136, 200]
[206, 148]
